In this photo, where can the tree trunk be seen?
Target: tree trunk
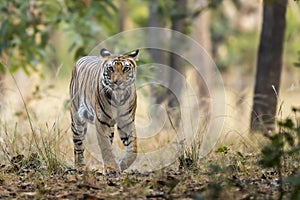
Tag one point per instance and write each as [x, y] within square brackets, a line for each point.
[122, 16]
[201, 33]
[269, 65]
[176, 62]
[156, 19]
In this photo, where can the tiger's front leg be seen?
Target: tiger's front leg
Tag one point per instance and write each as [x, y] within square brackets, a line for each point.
[127, 133]
[105, 131]
[79, 129]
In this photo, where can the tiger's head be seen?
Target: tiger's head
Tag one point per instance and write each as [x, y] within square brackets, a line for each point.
[118, 70]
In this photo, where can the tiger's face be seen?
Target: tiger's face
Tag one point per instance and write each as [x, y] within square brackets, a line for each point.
[118, 70]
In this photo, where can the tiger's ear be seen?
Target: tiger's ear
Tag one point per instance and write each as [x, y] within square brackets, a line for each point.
[134, 54]
[104, 52]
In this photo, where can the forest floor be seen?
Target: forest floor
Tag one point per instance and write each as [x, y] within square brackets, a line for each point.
[218, 176]
[45, 126]
[223, 174]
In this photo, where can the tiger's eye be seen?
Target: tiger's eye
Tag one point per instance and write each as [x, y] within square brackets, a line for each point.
[110, 68]
[126, 68]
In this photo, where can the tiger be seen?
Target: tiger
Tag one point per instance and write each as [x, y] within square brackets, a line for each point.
[103, 93]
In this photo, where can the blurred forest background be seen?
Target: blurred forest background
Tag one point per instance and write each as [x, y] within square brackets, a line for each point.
[41, 40]
[46, 38]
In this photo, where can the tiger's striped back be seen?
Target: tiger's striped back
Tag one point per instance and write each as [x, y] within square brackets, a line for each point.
[83, 86]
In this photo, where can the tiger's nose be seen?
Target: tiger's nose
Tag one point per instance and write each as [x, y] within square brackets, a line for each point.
[117, 82]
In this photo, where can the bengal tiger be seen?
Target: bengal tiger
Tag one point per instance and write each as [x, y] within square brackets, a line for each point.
[103, 92]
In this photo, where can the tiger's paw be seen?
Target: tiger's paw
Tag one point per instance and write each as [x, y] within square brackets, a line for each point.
[127, 161]
[108, 170]
[79, 162]
[123, 165]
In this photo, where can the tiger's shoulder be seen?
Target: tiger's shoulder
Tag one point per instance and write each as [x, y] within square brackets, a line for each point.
[88, 62]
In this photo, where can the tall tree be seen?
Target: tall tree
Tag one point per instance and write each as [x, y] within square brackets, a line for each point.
[201, 33]
[269, 65]
[178, 23]
[157, 18]
[122, 15]
[26, 28]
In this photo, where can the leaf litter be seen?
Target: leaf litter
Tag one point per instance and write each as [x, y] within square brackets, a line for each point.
[216, 177]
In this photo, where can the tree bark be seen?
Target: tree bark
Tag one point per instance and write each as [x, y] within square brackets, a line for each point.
[269, 66]
[201, 33]
[176, 62]
[178, 23]
[122, 15]
[156, 19]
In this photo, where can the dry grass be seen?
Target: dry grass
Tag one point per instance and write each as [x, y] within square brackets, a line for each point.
[41, 132]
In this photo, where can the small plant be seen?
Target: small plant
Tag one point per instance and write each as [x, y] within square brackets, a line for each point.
[284, 146]
[190, 157]
[224, 150]
[235, 160]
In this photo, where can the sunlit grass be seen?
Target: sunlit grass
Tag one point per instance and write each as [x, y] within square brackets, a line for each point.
[44, 125]
[39, 139]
